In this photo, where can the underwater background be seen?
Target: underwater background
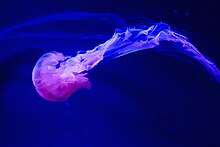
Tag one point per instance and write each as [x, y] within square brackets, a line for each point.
[141, 99]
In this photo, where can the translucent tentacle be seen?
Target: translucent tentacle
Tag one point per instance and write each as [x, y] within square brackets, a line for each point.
[135, 39]
[78, 16]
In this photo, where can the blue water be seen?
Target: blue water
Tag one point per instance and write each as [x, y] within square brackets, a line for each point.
[142, 99]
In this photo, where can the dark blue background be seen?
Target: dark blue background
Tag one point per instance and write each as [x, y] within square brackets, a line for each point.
[142, 99]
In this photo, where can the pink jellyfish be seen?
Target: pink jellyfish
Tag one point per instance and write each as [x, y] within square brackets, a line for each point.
[57, 84]
[57, 77]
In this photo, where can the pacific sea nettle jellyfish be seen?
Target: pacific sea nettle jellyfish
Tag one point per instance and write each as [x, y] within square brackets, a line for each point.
[56, 77]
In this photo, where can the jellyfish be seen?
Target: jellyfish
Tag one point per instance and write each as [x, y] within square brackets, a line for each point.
[56, 77]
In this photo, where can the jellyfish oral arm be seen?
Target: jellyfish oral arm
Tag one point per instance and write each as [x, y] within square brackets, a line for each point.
[58, 83]
[136, 39]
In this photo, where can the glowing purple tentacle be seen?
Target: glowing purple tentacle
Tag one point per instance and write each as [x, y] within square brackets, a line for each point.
[132, 40]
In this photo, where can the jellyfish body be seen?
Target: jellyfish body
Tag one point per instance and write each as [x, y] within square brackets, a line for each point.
[57, 83]
[56, 77]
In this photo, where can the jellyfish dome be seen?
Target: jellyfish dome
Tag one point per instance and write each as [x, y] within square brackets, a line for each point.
[55, 79]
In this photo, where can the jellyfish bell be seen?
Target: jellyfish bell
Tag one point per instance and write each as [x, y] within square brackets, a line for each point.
[57, 77]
